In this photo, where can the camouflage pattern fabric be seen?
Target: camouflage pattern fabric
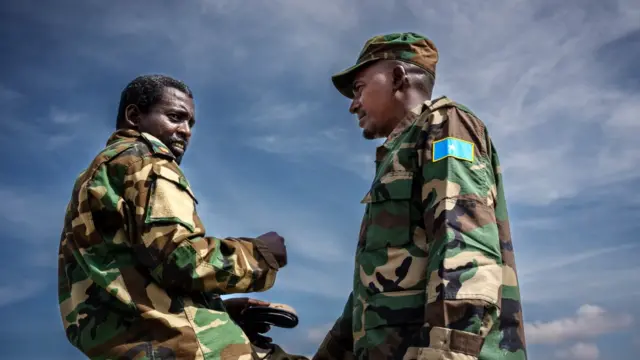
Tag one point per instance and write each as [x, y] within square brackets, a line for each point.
[138, 278]
[435, 275]
[275, 353]
[407, 47]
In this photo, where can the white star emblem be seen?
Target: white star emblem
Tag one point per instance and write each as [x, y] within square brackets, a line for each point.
[452, 147]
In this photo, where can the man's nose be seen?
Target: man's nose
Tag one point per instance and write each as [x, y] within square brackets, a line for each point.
[355, 105]
[185, 130]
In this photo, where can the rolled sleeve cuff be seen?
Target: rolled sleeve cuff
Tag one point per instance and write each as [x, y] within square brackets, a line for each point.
[451, 344]
[263, 250]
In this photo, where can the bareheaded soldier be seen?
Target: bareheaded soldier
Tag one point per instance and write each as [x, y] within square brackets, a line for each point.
[435, 276]
[138, 278]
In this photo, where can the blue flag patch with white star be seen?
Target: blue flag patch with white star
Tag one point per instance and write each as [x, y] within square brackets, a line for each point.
[452, 147]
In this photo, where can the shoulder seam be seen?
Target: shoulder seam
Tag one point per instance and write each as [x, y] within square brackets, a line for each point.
[464, 108]
[133, 144]
[160, 148]
[127, 164]
[479, 125]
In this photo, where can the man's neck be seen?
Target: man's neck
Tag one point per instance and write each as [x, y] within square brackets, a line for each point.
[415, 99]
[410, 109]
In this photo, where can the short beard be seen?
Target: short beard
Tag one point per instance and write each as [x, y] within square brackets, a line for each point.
[369, 135]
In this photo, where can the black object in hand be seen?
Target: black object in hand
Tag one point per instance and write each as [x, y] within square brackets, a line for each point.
[263, 317]
[270, 316]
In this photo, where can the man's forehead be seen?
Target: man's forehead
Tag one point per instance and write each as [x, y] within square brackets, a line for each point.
[369, 71]
[171, 96]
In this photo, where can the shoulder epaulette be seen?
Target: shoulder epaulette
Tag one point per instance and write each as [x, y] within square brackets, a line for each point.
[116, 148]
[444, 102]
[465, 109]
[439, 103]
[157, 146]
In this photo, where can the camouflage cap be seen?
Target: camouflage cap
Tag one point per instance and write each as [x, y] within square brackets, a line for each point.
[408, 47]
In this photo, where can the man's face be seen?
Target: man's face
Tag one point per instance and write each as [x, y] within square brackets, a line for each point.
[374, 101]
[171, 121]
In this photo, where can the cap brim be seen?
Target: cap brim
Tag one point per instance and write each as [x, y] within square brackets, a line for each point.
[343, 81]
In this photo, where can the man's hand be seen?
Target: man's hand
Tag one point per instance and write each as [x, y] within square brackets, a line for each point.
[236, 306]
[275, 243]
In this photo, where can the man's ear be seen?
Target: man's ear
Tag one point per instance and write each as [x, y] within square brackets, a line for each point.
[399, 78]
[132, 116]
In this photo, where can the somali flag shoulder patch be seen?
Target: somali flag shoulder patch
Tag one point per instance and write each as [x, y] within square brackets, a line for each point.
[452, 147]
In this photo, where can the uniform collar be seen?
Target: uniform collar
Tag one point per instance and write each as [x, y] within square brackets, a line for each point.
[123, 134]
[407, 121]
[412, 116]
[156, 146]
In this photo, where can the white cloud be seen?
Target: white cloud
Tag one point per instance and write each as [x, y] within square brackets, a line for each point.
[579, 351]
[19, 291]
[60, 117]
[33, 216]
[593, 274]
[237, 206]
[301, 131]
[72, 128]
[272, 113]
[35, 220]
[529, 69]
[8, 95]
[318, 144]
[57, 129]
[589, 322]
[534, 94]
[533, 78]
[551, 263]
[303, 230]
[317, 250]
[328, 147]
[595, 285]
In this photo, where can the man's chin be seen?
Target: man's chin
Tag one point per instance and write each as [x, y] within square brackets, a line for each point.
[178, 156]
[370, 135]
[178, 152]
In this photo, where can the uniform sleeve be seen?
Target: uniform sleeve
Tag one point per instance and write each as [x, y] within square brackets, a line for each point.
[169, 239]
[338, 344]
[465, 263]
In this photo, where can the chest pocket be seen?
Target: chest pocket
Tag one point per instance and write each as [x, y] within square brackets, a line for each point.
[171, 199]
[388, 214]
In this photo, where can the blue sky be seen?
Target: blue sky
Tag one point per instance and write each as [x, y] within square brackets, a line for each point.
[275, 148]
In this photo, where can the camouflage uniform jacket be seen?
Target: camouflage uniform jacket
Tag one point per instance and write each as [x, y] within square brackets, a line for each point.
[138, 278]
[435, 276]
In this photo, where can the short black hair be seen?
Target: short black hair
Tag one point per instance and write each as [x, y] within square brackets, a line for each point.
[145, 91]
[420, 78]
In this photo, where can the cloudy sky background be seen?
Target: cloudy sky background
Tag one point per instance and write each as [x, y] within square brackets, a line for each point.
[275, 148]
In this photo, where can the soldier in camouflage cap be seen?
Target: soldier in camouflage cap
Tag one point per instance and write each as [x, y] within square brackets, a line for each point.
[138, 278]
[435, 275]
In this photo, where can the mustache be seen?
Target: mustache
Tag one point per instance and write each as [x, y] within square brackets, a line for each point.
[178, 139]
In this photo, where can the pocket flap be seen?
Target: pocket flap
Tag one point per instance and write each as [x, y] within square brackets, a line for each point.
[394, 185]
[395, 308]
[175, 177]
[171, 199]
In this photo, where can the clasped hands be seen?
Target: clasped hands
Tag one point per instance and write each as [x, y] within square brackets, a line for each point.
[236, 306]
